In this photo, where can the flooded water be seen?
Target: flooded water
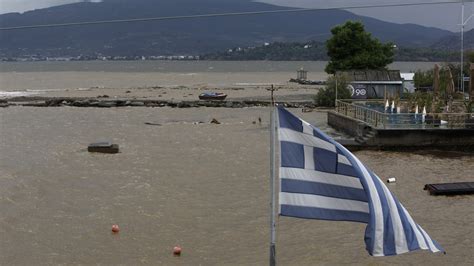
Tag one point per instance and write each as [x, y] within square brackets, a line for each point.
[41, 76]
[202, 186]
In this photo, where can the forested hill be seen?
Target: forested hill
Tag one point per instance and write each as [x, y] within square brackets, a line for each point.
[453, 42]
[314, 50]
[188, 36]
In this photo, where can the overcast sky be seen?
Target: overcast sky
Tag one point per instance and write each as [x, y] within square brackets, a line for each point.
[446, 16]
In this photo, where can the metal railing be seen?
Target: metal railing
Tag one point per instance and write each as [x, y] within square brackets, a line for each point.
[390, 120]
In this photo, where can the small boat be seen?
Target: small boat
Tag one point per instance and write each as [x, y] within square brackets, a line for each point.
[212, 96]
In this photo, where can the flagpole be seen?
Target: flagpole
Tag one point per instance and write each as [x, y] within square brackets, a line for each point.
[272, 181]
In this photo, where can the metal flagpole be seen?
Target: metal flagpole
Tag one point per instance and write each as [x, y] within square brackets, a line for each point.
[463, 24]
[272, 182]
[335, 101]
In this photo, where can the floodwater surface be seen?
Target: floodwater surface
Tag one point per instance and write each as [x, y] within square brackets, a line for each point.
[202, 186]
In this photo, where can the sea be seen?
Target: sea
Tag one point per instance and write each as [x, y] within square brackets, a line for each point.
[20, 78]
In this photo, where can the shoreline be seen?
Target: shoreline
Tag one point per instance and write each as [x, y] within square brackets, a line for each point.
[238, 95]
[38, 101]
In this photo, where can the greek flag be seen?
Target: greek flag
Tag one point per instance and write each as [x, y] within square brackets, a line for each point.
[320, 179]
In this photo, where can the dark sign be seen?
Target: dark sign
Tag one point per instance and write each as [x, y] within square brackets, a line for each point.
[358, 91]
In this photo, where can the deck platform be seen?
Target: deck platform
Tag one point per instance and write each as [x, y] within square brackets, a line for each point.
[459, 188]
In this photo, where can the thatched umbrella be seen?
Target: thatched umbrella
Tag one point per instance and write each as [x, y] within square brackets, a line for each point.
[471, 83]
[435, 88]
[436, 82]
[450, 85]
[449, 90]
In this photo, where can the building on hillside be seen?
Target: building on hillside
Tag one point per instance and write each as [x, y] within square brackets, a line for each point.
[373, 83]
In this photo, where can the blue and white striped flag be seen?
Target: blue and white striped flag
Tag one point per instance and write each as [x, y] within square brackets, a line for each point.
[320, 179]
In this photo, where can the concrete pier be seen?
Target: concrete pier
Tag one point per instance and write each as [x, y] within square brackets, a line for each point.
[366, 136]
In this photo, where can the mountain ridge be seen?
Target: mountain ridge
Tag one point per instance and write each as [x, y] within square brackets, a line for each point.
[189, 36]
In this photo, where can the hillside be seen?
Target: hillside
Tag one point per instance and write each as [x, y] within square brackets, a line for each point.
[189, 36]
[453, 41]
[313, 51]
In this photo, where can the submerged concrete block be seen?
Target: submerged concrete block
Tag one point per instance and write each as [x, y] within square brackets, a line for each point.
[103, 147]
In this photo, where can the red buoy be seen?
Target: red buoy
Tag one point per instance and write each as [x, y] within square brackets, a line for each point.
[115, 228]
[177, 251]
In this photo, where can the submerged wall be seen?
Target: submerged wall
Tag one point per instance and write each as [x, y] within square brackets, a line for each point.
[404, 138]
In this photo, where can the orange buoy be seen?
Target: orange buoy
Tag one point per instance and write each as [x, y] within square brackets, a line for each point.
[115, 228]
[177, 251]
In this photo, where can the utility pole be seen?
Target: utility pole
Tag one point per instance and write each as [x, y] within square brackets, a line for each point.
[463, 23]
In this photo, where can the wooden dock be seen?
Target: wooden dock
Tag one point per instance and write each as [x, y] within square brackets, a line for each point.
[459, 188]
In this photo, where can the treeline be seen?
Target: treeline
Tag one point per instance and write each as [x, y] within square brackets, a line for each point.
[278, 51]
[312, 51]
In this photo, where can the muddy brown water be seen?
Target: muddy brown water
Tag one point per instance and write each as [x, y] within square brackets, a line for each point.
[203, 186]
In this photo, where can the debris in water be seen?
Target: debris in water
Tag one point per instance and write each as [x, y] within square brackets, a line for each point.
[115, 228]
[177, 251]
[103, 147]
[214, 121]
[152, 124]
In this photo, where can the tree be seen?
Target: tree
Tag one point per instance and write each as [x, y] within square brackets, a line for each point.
[351, 47]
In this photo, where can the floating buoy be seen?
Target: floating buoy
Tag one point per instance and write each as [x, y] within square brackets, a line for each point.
[115, 228]
[177, 251]
[391, 180]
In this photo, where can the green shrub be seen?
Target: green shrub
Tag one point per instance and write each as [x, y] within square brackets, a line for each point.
[326, 97]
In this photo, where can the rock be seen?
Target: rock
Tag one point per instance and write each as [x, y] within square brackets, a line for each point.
[81, 103]
[214, 121]
[151, 104]
[128, 92]
[53, 102]
[137, 104]
[35, 104]
[120, 102]
[183, 105]
[106, 104]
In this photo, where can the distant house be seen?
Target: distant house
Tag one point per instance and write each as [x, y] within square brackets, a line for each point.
[374, 83]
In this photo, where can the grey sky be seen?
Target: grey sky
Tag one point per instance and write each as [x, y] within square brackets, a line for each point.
[442, 16]
[25, 5]
[445, 16]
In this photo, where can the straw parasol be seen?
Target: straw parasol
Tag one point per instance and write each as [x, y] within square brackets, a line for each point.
[471, 83]
[435, 88]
